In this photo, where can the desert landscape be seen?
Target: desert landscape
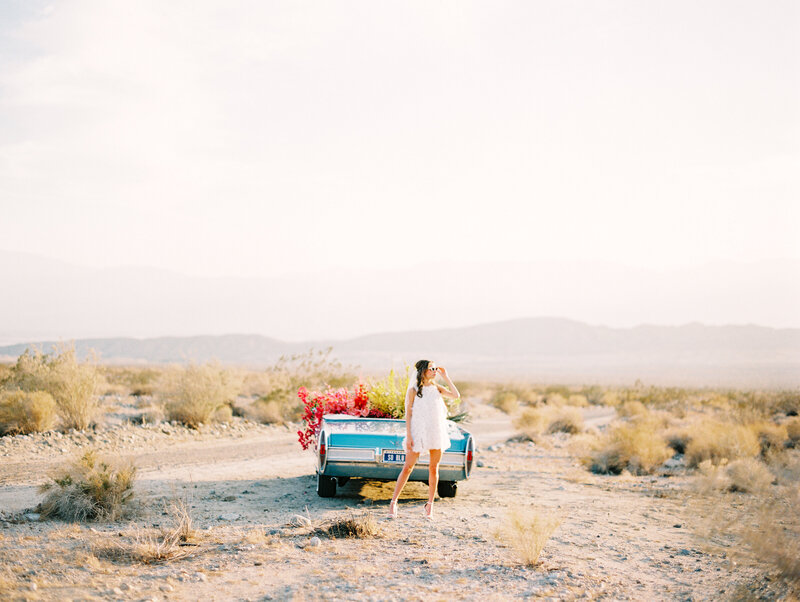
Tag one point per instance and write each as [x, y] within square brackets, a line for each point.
[637, 493]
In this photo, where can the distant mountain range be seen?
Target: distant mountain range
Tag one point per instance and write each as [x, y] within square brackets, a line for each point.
[536, 349]
[45, 299]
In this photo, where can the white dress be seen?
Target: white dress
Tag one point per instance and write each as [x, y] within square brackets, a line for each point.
[428, 421]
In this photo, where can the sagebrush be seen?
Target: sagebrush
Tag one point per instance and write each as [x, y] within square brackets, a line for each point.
[90, 489]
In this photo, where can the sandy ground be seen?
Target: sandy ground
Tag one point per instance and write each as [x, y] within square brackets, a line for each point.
[619, 537]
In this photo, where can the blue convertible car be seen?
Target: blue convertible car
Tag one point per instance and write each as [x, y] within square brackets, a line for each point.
[372, 448]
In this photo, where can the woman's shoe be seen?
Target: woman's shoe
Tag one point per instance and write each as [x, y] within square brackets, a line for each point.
[392, 510]
[428, 510]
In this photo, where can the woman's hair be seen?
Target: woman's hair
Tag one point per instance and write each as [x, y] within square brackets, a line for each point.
[421, 366]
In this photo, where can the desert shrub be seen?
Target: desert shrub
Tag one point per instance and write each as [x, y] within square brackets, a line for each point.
[636, 447]
[530, 422]
[71, 383]
[223, 413]
[192, 394]
[89, 490]
[578, 401]
[506, 401]
[534, 421]
[526, 531]
[555, 399]
[314, 369]
[565, 419]
[26, 412]
[265, 412]
[771, 437]
[716, 441]
[354, 525]
[749, 475]
[610, 398]
[786, 402]
[632, 408]
[139, 382]
[594, 395]
[793, 430]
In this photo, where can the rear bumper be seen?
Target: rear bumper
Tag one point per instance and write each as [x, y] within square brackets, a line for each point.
[367, 463]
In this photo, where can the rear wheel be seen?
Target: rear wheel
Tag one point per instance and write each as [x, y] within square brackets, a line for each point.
[326, 486]
[447, 488]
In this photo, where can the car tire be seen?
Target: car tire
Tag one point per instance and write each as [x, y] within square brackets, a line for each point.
[326, 486]
[447, 488]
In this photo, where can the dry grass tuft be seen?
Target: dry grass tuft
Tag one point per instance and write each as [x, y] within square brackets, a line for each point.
[23, 412]
[152, 547]
[360, 526]
[636, 447]
[192, 394]
[717, 441]
[526, 531]
[89, 490]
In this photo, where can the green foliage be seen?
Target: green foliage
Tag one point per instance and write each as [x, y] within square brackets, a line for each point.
[388, 394]
[89, 490]
[26, 412]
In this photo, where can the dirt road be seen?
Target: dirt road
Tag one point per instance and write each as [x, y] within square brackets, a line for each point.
[619, 538]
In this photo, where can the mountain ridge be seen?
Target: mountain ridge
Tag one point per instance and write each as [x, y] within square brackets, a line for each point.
[518, 348]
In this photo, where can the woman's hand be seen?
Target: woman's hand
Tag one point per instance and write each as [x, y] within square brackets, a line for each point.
[443, 372]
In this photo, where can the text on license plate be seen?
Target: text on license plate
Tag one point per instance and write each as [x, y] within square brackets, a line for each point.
[398, 457]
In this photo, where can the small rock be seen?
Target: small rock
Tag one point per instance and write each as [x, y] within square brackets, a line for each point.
[228, 516]
[684, 552]
[117, 591]
[124, 587]
[300, 521]
[33, 517]
[201, 577]
[229, 498]
[166, 588]
[416, 570]
[480, 464]
[314, 542]
[33, 587]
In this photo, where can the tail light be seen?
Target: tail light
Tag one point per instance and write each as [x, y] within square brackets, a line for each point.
[323, 450]
[470, 455]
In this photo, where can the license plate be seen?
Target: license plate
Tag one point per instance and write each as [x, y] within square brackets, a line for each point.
[394, 457]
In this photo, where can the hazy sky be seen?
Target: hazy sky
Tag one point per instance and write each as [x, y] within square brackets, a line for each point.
[261, 138]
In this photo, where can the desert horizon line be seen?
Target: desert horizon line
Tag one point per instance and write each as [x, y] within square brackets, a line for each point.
[67, 339]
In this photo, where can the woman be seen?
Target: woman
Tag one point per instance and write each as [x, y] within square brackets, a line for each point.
[426, 428]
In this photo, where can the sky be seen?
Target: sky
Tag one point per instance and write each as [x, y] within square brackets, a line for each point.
[260, 139]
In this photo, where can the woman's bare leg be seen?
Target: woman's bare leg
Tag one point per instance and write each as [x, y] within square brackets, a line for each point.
[402, 479]
[433, 476]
